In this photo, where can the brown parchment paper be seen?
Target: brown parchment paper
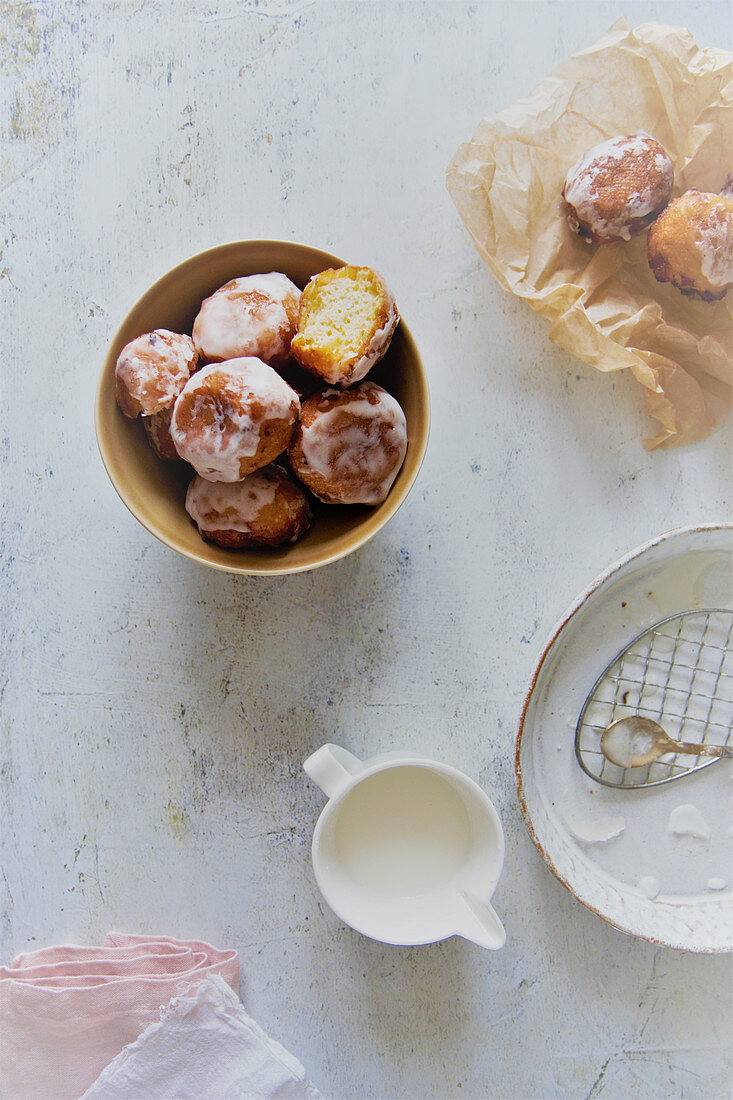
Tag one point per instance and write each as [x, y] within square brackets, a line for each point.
[603, 303]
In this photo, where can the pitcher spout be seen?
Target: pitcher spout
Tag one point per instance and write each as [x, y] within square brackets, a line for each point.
[479, 923]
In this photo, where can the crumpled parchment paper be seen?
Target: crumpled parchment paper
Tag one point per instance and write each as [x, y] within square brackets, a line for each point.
[603, 303]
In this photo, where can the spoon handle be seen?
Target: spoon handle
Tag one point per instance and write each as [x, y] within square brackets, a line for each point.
[705, 750]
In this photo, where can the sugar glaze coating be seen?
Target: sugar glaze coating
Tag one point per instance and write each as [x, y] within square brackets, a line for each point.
[233, 417]
[267, 508]
[350, 445]
[618, 187]
[253, 315]
[152, 370]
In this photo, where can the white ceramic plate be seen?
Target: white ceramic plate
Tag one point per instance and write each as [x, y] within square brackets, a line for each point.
[567, 812]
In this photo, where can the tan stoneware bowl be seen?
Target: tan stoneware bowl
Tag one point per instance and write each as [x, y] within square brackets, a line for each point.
[154, 491]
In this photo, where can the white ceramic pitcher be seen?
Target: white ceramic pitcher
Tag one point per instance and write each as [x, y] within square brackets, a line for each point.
[406, 850]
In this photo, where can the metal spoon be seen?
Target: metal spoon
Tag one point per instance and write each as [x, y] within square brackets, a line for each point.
[632, 742]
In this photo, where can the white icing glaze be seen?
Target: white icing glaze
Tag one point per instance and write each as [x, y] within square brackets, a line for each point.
[715, 246]
[686, 820]
[591, 829]
[214, 450]
[649, 886]
[367, 456]
[230, 506]
[238, 506]
[154, 368]
[717, 884]
[248, 317]
[581, 188]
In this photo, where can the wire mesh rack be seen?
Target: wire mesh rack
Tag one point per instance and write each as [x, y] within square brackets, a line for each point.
[678, 672]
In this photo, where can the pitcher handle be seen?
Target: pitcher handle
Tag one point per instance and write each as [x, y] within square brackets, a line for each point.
[332, 768]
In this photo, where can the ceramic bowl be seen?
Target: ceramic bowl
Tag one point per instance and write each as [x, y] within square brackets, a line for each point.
[615, 850]
[154, 491]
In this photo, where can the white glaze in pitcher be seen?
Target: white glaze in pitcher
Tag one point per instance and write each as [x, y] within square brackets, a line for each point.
[406, 850]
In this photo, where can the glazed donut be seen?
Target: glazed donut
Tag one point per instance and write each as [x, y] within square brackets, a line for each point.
[253, 316]
[152, 370]
[346, 322]
[158, 430]
[691, 245]
[350, 444]
[232, 418]
[267, 508]
[618, 188]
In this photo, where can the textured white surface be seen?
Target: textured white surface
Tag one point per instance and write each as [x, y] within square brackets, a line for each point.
[155, 714]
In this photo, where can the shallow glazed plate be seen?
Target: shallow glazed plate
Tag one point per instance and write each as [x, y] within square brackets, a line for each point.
[612, 848]
[154, 491]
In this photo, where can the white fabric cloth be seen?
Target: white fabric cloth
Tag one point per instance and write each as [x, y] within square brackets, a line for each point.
[205, 1047]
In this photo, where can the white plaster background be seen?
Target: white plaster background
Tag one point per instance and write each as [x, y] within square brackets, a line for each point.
[155, 714]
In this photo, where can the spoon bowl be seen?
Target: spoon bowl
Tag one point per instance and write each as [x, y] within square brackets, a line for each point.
[634, 742]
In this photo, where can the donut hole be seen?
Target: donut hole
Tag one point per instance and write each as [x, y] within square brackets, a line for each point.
[346, 321]
[341, 311]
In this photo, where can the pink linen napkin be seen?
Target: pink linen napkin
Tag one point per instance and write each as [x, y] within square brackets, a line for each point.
[66, 1012]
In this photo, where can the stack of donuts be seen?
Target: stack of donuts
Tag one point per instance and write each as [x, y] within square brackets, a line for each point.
[624, 185]
[262, 454]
